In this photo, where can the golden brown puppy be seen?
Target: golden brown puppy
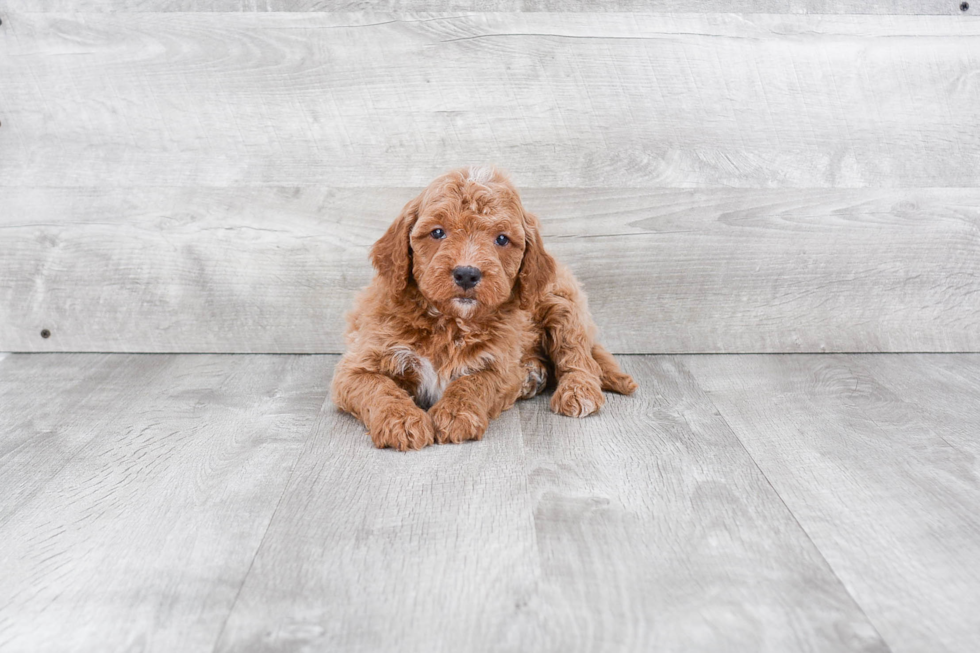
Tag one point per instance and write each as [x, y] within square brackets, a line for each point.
[467, 314]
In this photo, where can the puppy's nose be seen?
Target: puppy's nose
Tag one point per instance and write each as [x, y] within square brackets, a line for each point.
[466, 277]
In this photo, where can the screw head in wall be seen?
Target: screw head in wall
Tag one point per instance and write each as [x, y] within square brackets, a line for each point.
[964, 6]
[45, 333]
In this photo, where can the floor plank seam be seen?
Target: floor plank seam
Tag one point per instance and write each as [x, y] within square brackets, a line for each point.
[914, 403]
[538, 567]
[796, 521]
[265, 533]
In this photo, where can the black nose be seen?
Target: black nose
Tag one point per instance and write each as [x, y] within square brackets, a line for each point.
[466, 277]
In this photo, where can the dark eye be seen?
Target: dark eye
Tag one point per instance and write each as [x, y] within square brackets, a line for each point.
[438, 234]
[502, 240]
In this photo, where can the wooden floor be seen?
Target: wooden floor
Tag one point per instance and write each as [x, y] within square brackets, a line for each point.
[736, 503]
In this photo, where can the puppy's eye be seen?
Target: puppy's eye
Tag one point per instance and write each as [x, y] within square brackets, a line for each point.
[438, 234]
[502, 240]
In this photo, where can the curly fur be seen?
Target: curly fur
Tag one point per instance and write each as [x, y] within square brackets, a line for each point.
[428, 361]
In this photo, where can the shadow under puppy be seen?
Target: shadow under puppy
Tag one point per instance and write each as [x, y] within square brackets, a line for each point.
[467, 314]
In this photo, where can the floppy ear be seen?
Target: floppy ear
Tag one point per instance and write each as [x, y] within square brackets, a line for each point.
[537, 267]
[391, 254]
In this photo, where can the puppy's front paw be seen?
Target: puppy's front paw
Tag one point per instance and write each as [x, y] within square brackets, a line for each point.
[535, 378]
[403, 428]
[457, 423]
[577, 395]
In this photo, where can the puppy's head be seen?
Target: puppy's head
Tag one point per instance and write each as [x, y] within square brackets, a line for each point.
[468, 244]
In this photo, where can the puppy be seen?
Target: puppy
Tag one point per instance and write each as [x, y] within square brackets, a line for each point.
[467, 314]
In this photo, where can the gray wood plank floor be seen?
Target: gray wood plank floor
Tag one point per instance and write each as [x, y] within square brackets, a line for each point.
[736, 503]
[876, 457]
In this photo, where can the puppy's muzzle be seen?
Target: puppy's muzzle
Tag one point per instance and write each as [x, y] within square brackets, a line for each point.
[466, 277]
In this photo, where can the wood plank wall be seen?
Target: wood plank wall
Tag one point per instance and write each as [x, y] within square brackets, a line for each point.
[800, 176]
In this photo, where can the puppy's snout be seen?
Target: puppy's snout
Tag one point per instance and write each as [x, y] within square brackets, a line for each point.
[466, 277]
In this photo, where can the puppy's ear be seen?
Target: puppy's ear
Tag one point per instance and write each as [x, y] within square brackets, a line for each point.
[537, 267]
[391, 255]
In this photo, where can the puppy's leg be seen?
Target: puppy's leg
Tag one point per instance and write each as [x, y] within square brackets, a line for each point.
[613, 378]
[582, 368]
[535, 375]
[387, 410]
[470, 402]
[579, 391]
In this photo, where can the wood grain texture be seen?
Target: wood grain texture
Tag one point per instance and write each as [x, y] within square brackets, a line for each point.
[942, 391]
[141, 539]
[829, 505]
[879, 465]
[274, 269]
[562, 99]
[376, 550]
[52, 407]
[921, 7]
[656, 531]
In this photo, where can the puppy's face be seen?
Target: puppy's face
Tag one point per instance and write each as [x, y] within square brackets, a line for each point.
[468, 244]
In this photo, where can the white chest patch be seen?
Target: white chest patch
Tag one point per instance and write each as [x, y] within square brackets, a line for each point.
[431, 385]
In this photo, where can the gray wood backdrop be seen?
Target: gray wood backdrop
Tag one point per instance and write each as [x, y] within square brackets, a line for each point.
[801, 176]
